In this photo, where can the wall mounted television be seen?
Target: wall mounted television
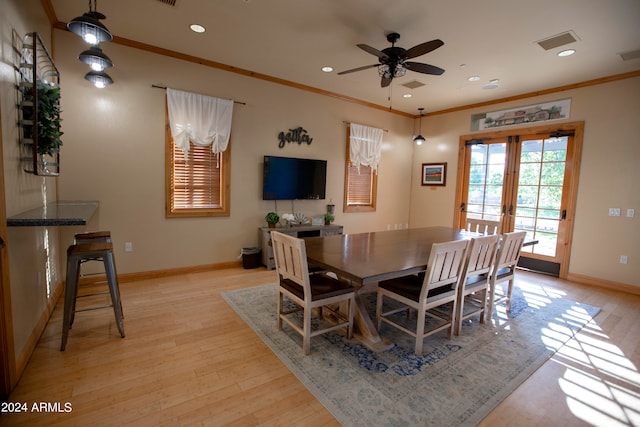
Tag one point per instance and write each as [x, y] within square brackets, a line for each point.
[287, 178]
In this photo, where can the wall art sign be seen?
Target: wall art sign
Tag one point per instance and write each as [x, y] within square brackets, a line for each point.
[298, 135]
[434, 174]
[535, 113]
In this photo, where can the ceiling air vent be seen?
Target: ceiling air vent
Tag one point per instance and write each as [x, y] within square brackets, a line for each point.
[628, 56]
[169, 2]
[558, 40]
[413, 84]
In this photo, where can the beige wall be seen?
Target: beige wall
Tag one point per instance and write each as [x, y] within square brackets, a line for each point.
[114, 152]
[609, 176]
[34, 261]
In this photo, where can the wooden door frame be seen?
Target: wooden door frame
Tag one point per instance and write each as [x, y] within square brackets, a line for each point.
[7, 351]
[572, 191]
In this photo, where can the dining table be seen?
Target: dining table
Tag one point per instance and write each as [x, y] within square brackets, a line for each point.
[364, 259]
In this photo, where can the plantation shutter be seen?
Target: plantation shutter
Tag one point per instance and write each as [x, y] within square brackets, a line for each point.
[196, 182]
[359, 185]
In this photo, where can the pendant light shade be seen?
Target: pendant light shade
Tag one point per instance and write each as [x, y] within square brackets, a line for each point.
[420, 139]
[89, 27]
[99, 79]
[95, 58]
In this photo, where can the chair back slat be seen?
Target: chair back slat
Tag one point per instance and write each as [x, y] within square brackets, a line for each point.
[444, 266]
[483, 226]
[481, 254]
[290, 255]
[510, 247]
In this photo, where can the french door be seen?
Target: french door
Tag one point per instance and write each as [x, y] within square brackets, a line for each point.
[528, 181]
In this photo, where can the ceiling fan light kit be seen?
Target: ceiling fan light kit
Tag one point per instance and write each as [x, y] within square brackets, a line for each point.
[92, 31]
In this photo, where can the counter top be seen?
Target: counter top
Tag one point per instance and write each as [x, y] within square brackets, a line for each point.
[54, 214]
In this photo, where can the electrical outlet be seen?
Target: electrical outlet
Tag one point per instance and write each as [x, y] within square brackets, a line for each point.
[631, 213]
[128, 247]
[614, 211]
[623, 259]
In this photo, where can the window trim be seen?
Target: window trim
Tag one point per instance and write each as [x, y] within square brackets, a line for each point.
[350, 208]
[225, 188]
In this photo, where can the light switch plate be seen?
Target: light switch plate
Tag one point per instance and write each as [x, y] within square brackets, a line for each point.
[631, 213]
[614, 211]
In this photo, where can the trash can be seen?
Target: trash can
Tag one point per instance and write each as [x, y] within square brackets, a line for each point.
[251, 257]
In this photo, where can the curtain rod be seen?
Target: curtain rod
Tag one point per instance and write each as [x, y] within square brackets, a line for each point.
[348, 123]
[165, 88]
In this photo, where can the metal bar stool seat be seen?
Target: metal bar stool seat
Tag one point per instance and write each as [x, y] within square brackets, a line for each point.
[76, 255]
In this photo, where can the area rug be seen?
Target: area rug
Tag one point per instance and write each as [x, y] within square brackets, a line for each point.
[455, 382]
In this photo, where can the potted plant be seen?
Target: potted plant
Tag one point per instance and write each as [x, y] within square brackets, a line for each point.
[48, 120]
[328, 218]
[272, 219]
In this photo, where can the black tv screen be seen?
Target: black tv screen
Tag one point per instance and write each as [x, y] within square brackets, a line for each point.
[287, 178]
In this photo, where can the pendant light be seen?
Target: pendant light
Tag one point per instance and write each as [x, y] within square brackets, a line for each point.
[100, 79]
[420, 139]
[89, 27]
[95, 58]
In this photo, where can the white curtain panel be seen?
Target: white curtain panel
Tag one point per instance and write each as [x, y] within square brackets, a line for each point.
[204, 120]
[365, 145]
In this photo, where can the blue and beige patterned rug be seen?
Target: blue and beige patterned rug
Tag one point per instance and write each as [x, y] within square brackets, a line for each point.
[455, 382]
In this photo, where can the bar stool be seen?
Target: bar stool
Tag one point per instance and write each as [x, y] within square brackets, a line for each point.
[76, 255]
[89, 237]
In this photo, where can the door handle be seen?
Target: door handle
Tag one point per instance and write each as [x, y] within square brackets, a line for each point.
[564, 214]
[462, 207]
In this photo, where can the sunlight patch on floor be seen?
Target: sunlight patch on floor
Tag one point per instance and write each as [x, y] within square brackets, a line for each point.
[602, 386]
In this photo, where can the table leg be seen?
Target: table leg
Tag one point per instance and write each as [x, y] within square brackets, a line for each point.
[366, 331]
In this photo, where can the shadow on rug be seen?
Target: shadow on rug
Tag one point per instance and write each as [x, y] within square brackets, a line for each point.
[455, 382]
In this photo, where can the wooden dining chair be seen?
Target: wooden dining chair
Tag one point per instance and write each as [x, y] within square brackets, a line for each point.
[439, 287]
[308, 292]
[474, 285]
[483, 226]
[504, 269]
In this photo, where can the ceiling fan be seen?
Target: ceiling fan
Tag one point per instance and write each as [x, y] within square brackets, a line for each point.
[393, 60]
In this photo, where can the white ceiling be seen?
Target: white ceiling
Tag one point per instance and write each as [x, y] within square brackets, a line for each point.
[294, 39]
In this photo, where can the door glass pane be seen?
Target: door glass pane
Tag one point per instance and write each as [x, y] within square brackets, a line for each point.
[486, 176]
[539, 196]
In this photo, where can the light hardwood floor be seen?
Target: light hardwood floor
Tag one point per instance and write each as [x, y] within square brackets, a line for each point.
[188, 359]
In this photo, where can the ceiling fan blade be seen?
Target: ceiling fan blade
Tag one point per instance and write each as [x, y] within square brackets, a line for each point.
[424, 68]
[386, 81]
[357, 69]
[373, 51]
[423, 48]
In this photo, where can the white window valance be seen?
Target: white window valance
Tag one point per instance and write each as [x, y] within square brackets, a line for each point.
[365, 145]
[203, 120]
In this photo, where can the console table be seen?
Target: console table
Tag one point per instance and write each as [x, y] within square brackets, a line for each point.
[297, 231]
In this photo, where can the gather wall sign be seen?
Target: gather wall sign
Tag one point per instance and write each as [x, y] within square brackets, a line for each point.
[298, 135]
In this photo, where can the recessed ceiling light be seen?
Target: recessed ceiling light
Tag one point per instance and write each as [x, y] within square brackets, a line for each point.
[197, 28]
[473, 78]
[407, 95]
[327, 69]
[567, 52]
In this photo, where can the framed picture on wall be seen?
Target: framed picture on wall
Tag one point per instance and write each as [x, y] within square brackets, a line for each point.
[434, 174]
